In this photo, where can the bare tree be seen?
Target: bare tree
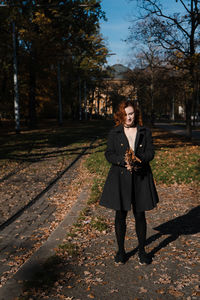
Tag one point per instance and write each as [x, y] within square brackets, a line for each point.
[177, 33]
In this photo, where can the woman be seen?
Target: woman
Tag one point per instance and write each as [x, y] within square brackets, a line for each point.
[130, 182]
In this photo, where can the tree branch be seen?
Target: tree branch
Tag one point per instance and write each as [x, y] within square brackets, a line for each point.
[158, 12]
[182, 2]
[170, 46]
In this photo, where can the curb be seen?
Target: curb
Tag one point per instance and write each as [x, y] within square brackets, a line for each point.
[14, 286]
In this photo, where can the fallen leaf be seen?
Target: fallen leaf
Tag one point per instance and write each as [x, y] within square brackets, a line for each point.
[91, 296]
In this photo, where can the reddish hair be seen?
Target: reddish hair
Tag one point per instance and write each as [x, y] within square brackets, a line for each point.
[119, 116]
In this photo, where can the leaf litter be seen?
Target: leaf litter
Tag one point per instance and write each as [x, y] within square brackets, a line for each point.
[175, 264]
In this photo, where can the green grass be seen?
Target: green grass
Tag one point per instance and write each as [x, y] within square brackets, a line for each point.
[96, 163]
[71, 234]
[69, 248]
[180, 165]
[170, 165]
[96, 190]
[99, 224]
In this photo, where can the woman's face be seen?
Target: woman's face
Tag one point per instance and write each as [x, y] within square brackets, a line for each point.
[129, 116]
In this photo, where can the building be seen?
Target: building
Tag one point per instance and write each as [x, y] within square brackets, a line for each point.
[111, 90]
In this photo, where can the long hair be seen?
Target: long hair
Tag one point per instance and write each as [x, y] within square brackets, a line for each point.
[119, 116]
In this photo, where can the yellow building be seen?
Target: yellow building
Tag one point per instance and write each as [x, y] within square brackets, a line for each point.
[111, 90]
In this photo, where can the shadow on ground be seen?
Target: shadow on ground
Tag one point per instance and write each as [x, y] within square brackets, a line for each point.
[187, 224]
[19, 147]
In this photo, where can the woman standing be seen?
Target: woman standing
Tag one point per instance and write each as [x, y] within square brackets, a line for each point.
[130, 181]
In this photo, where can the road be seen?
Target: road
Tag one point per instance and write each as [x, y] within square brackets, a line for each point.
[180, 130]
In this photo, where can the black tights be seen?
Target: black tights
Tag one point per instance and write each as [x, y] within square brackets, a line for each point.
[120, 228]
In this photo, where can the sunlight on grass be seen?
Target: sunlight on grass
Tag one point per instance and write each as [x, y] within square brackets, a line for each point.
[180, 165]
[170, 165]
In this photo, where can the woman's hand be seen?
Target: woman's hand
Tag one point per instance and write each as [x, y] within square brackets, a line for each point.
[129, 167]
[128, 160]
[131, 160]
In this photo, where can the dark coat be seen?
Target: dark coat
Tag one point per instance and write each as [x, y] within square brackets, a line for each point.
[123, 188]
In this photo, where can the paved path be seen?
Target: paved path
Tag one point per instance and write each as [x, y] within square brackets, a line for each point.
[173, 242]
[20, 239]
[14, 286]
[180, 130]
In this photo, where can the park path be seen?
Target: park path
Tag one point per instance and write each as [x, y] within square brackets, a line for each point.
[180, 130]
[173, 242]
[35, 198]
[21, 238]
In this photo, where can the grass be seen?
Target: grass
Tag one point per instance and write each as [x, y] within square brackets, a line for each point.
[98, 165]
[95, 191]
[85, 212]
[69, 248]
[180, 164]
[99, 223]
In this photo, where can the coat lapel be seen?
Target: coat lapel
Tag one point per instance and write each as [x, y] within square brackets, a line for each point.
[139, 137]
[122, 137]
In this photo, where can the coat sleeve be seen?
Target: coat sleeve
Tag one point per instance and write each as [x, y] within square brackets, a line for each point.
[111, 154]
[148, 154]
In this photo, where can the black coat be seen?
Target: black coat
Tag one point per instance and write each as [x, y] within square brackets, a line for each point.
[123, 188]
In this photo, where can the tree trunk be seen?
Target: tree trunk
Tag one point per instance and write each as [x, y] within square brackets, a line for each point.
[60, 114]
[15, 79]
[98, 101]
[32, 87]
[188, 118]
[92, 108]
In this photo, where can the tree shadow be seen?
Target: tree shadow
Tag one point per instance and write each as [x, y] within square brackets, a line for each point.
[43, 276]
[23, 146]
[187, 224]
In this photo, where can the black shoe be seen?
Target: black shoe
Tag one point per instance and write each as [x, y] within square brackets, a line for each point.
[120, 258]
[144, 258]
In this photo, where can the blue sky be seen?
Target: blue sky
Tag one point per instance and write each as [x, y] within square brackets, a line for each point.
[115, 30]
[118, 13]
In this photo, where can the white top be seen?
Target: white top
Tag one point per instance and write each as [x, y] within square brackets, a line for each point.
[131, 136]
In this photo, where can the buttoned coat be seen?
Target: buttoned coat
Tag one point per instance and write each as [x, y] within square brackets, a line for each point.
[123, 188]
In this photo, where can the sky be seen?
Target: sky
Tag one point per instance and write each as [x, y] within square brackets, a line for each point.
[115, 30]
